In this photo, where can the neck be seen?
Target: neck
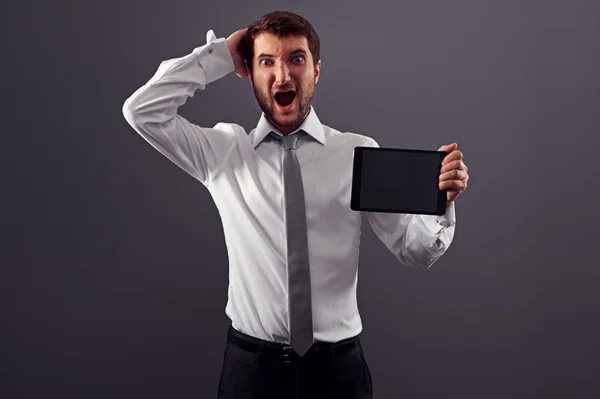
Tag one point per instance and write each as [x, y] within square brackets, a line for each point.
[285, 130]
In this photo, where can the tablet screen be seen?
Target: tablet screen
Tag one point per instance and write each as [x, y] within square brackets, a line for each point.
[397, 180]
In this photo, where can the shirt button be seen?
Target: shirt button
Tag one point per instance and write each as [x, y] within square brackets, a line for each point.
[210, 51]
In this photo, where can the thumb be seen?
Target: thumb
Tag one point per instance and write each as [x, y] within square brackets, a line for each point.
[448, 147]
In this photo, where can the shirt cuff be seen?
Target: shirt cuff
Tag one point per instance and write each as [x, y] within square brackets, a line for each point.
[435, 222]
[215, 58]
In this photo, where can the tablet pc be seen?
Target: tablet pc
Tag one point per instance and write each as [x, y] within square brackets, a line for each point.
[397, 180]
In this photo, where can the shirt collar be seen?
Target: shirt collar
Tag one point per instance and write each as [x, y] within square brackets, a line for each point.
[311, 125]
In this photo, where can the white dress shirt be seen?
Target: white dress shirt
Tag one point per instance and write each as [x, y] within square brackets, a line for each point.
[242, 172]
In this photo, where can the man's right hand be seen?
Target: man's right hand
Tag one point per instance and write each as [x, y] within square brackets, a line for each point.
[232, 43]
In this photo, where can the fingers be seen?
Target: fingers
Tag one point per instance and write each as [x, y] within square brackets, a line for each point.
[453, 156]
[458, 164]
[454, 174]
[448, 148]
[453, 185]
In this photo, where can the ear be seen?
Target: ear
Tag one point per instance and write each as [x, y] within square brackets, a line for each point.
[249, 76]
[317, 71]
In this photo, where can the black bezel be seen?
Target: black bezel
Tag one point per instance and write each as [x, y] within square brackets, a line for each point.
[357, 178]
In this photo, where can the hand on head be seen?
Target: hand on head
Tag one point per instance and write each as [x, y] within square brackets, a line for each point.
[232, 43]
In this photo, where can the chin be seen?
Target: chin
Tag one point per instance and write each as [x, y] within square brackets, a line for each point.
[287, 119]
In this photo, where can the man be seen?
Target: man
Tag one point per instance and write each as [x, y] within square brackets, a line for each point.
[283, 193]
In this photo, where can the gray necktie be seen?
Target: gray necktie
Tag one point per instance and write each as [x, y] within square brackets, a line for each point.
[299, 292]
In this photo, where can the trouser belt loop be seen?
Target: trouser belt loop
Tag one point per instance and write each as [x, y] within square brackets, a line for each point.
[261, 347]
[333, 353]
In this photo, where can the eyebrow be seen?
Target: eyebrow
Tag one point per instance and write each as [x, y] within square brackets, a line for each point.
[297, 51]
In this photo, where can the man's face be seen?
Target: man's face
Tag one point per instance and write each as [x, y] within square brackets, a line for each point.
[283, 79]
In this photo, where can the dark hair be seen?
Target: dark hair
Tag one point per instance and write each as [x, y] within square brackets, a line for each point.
[281, 24]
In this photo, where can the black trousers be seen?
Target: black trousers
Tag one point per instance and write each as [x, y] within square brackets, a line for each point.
[257, 369]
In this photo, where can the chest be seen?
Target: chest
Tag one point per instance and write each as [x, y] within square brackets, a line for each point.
[326, 172]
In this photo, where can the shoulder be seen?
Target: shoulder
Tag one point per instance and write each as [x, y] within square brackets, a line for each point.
[349, 138]
[229, 127]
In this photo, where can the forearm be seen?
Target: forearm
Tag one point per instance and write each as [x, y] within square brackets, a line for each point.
[152, 111]
[416, 240]
[175, 81]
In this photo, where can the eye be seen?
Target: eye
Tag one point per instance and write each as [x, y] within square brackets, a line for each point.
[299, 58]
[264, 60]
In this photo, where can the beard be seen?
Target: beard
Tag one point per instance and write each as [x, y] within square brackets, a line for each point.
[266, 102]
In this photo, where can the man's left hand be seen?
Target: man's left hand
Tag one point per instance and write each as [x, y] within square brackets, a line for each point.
[453, 174]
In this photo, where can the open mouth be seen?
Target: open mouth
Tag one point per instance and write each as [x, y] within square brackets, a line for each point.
[285, 98]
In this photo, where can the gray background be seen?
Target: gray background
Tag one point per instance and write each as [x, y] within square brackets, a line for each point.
[114, 268]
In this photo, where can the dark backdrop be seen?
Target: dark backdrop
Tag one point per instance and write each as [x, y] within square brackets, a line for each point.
[113, 264]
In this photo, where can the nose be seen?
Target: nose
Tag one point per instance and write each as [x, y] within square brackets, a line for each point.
[282, 74]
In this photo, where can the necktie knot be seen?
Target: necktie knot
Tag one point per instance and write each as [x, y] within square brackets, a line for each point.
[289, 141]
